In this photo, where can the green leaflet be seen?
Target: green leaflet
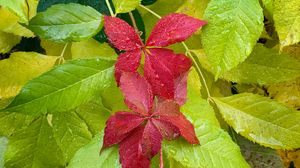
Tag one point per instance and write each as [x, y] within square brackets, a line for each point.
[64, 87]
[124, 6]
[34, 147]
[217, 150]
[67, 22]
[265, 66]
[88, 156]
[258, 156]
[287, 23]
[233, 28]
[70, 133]
[20, 68]
[3, 146]
[261, 120]
[19, 7]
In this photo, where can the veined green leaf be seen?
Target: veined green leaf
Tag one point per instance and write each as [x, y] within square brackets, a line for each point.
[194, 8]
[217, 150]
[265, 66]
[124, 6]
[64, 87]
[261, 120]
[8, 41]
[19, 68]
[3, 146]
[67, 22]
[34, 146]
[287, 23]
[70, 133]
[88, 156]
[233, 28]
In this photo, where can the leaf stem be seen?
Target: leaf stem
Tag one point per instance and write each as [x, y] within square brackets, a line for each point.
[161, 165]
[149, 10]
[189, 54]
[61, 57]
[134, 23]
[109, 8]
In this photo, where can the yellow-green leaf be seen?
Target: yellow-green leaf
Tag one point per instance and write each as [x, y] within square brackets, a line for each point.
[19, 68]
[54, 48]
[124, 6]
[194, 8]
[92, 48]
[233, 28]
[287, 21]
[261, 120]
[8, 41]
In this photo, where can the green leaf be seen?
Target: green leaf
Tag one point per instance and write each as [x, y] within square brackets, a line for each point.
[64, 88]
[265, 66]
[261, 120]
[196, 107]
[233, 28]
[34, 146]
[194, 8]
[89, 155]
[287, 23]
[94, 114]
[19, 7]
[217, 150]
[8, 41]
[3, 146]
[91, 48]
[67, 22]
[70, 133]
[124, 6]
[19, 68]
[259, 156]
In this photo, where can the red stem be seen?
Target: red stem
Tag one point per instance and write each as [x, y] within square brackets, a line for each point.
[161, 159]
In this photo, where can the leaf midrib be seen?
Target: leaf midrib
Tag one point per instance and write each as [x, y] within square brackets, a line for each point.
[59, 90]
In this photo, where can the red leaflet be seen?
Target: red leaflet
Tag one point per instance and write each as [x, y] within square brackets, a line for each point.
[172, 29]
[162, 67]
[139, 134]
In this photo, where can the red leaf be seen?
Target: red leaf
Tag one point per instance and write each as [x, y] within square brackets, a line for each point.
[181, 88]
[166, 129]
[173, 28]
[137, 92]
[118, 126]
[127, 62]
[151, 140]
[185, 127]
[121, 34]
[131, 155]
[169, 111]
[162, 67]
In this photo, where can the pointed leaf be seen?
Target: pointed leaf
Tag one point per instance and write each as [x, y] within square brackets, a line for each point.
[124, 6]
[151, 140]
[127, 62]
[121, 34]
[119, 126]
[88, 156]
[233, 28]
[248, 113]
[166, 129]
[67, 22]
[137, 92]
[162, 68]
[173, 28]
[20, 68]
[264, 66]
[63, 88]
[217, 150]
[70, 133]
[287, 23]
[180, 88]
[130, 151]
[34, 146]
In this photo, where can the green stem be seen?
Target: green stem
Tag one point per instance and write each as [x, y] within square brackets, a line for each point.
[109, 8]
[61, 57]
[188, 53]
